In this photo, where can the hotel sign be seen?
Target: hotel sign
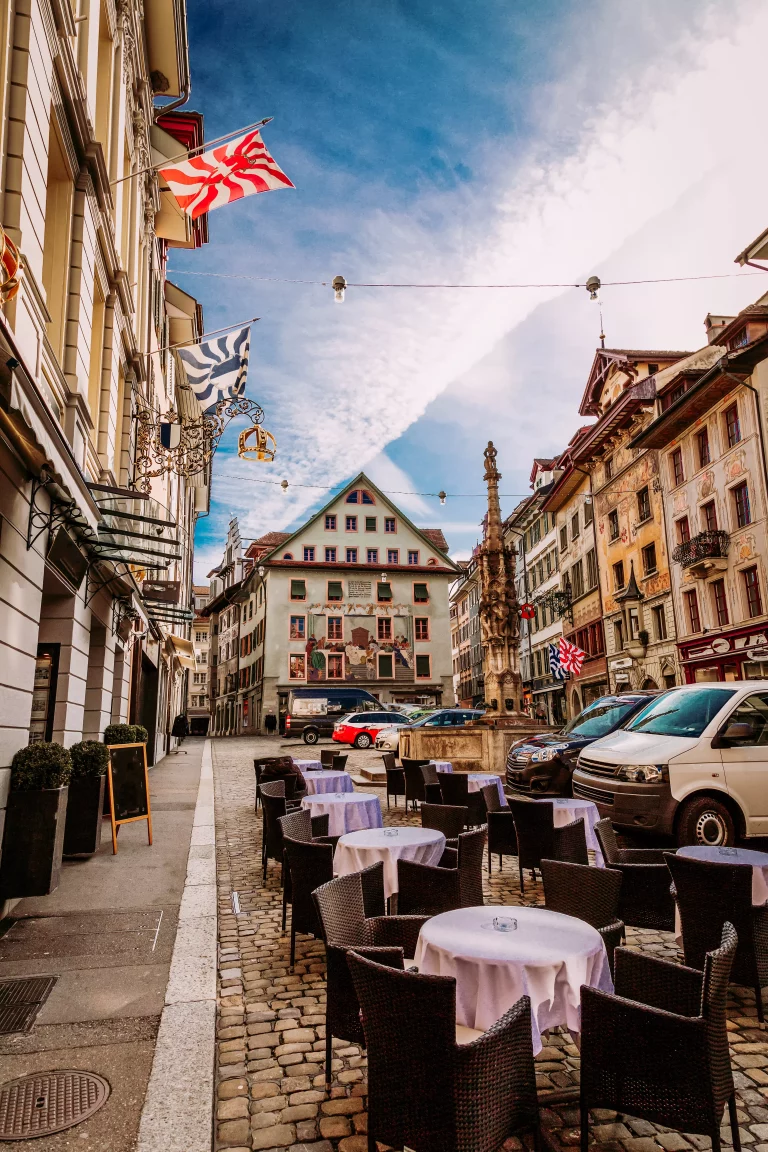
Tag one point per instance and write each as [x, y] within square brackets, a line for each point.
[752, 645]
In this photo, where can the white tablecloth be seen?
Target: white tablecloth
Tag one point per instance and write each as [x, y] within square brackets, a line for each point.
[307, 765]
[442, 765]
[347, 811]
[758, 861]
[357, 850]
[475, 780]
[328, 781]
[548, 958]
[566, 810]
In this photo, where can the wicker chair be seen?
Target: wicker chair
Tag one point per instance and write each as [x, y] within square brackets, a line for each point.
[457, 882]
[343, 907]
[299, 825]
[658, 1048]
[414, 782]
[339, 762]
[309, 865]
[273, 806]
[432, 793]
[326, 757]
[538, 839]
[455, 788]
[395, 778]
[708, 894]
[257, 765]
[502, 837]
[426, 1090]
[491, 797]
[446, 818]
[591, 894]
[645, 900]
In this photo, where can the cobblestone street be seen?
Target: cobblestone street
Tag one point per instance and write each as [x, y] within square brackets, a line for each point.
[270, 1083]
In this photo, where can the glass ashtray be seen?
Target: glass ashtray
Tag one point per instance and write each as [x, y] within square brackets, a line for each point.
[390, 831]
[728, 851]
[501, 924]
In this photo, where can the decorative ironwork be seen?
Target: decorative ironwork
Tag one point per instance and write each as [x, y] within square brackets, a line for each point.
[42, 519]
[558, 601]
[123, 612]
[198, 439]
[704, 546]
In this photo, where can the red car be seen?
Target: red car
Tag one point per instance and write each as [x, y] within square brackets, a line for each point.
[361, 728]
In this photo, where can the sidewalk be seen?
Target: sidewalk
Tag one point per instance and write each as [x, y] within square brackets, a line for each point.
[108, 933]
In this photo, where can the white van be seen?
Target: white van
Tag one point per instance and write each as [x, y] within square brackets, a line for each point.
[693, 763]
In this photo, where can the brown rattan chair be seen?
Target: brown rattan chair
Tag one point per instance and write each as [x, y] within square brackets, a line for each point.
[455, 789]
[432, 793]
[414, 782]
[456, 882]
[591, 894]
[427, 1091]
[709, 893]
[395, 779]
[309, 865]
[257, 765]
[446, 818]
[343, 907]
[658, 1048]
[645, 900]
[299, 825]
[492, 801]
[326, 757]
[502, 837]
[273, 806]
[538, 839]
[339, 763]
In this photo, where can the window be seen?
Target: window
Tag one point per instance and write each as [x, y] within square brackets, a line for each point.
[692, 604]
[577, 580]
[613, 525]
[659, 618]
[591, 569]
[335, 666]
[330, 555]
[421, 626]
[309, 554]
[57, 235]
[420, 594]
[390, 524]
[702, 447]
[287, 555]
[298, 590]
[370, 523]
[741, 503]
[608, 469]
[618, 635]
[360, 496]
[383, 628]
[683, 530]
[335, 590]
[393, 556]
[330, 523]
[676, 466]
[372, 555]
[537, 655]
[754, 712]
[574, 526]
[709, 517]
[643, 504]
[652, 369]
[297, 667]
[383, 591]
[298, 628]
[618, 576]
[200, 637]
[752, 588]
[563, 538]
[413, 556]
[589, 514]
[423, 667]
[719, 602]
[351, 555]
[732, 425]
[649, 559]
[386, 665]
[335, 627]
[351, 523]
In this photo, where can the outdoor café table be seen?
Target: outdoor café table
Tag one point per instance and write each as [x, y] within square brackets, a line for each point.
[356, 850]
[326, 780]
[547, 957]
[566, 810]
[347, 811]
[442, 765]
[307, 765]
[475, 780]
[721, 855]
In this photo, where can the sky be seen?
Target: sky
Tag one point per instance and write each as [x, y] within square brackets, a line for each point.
[470, 142]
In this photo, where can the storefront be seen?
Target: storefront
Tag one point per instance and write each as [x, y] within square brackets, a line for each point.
[549, 704]
[740, 654]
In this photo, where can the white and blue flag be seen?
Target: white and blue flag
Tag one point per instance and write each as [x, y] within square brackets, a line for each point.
[555, 666]
[216, 370]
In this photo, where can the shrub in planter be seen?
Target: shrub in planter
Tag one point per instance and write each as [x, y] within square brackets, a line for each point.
[33, 839]
[85, 805]
[125, 734]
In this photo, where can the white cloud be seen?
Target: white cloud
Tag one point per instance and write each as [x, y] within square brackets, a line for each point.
[392, 479]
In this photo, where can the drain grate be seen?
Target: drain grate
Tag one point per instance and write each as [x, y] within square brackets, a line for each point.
[46, 1102]
[21, 1000]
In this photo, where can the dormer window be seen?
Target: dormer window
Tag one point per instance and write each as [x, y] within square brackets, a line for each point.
[360, 496]
[739, 339]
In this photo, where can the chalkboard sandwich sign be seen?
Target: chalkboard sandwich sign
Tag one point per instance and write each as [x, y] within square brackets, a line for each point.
[128, 783]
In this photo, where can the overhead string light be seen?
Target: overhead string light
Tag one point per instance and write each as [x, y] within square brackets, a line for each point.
[441, 496]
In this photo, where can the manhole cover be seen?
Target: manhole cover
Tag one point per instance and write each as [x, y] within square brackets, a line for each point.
[47, 1102]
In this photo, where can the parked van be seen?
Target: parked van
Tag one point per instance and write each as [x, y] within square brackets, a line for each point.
[312, 712]
[693, 764]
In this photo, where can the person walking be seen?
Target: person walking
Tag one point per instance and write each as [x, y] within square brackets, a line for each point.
[270, 723]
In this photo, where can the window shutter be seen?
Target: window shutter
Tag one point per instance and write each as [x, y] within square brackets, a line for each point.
[384, 591]
[298, 590]
[385, 666]
[335, 590]
[420, 593]
[422, 667]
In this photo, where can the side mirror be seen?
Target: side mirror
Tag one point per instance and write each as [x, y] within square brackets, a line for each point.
[731, 733]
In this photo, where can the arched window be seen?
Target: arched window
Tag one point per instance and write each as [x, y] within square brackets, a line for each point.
[360, 496]
[288, 556]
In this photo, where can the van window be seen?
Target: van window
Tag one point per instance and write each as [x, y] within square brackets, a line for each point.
[681, 713]
[754, 712]
[600, 718]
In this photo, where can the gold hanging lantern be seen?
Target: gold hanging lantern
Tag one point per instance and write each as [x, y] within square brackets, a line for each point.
[256, 444]
[10, 267]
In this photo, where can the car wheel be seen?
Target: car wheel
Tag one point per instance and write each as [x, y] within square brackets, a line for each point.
[705, 820]
[311, 736]
[363, 740]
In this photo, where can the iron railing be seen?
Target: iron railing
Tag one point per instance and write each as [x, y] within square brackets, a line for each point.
[705, 546]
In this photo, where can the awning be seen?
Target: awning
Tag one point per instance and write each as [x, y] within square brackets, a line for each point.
[183, 650]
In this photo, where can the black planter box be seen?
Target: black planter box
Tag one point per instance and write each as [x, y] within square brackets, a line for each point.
[33, 843]
[82, 835]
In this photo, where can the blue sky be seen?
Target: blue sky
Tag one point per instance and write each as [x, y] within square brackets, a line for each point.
[473, 142]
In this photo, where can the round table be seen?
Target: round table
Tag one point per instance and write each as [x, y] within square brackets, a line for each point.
[442, 765]
[548, 957]
[568, 809]
[357, 850]
[347, 811]
[308, 765]
[325, 780]
[718, 855]
[475, 780]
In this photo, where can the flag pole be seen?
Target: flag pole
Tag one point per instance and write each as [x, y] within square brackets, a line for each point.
[205, 336]
[188, 154]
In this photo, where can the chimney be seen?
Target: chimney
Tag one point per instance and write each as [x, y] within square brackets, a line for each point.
[714, 325]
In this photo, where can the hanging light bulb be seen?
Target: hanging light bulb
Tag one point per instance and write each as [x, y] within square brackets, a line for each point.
[339, 286]
[442, 496]
[284, 485]
[593, 287]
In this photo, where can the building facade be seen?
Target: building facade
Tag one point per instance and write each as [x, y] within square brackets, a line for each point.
[223, 611]
[198, 687]
[466, 640]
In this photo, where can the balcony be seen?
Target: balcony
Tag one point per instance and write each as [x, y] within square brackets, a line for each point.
[704, 554]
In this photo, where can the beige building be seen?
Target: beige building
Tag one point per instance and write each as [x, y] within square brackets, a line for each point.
[95, 575]
[466, 640]
[198, 687]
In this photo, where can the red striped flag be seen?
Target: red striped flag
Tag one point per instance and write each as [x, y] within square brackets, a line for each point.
[571, 657]
[226, 173]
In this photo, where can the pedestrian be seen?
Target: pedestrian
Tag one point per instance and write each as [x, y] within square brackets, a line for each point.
[270, 723]
[180, 727]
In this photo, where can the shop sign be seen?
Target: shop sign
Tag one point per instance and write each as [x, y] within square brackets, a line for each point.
[162, 591]
[624, 662]
[752, 645]
[622, 678]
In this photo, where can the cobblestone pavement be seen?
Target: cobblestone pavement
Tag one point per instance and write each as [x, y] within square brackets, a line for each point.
[271, 1027]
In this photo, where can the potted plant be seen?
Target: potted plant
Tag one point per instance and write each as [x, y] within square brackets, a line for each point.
[85, 805]
[33, 839]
